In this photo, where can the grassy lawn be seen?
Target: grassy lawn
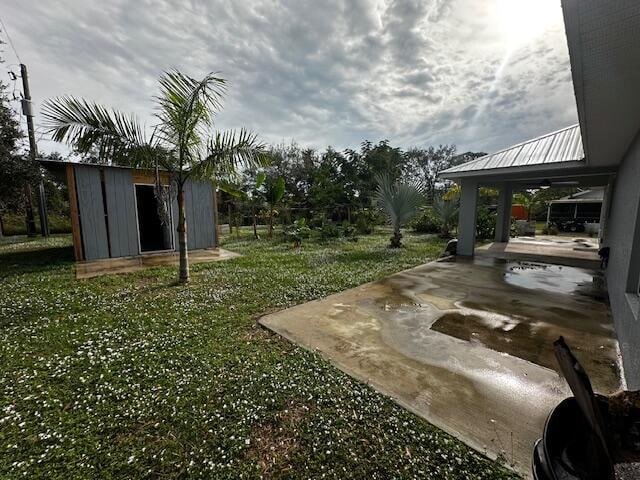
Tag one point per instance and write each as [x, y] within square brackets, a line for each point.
[131, 376]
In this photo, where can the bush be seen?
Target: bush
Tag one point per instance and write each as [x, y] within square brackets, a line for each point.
[329, 231]
[427, 222]
[348, 231]
[366, 221]
[15, 224]
[551, 229]
[297, 231]
[485, 224]
[317, 220]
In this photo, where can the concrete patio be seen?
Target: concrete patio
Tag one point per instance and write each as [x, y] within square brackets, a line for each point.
[571, 251]
[466, 343]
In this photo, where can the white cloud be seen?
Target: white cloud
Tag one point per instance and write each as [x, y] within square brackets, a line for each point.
[333, 72]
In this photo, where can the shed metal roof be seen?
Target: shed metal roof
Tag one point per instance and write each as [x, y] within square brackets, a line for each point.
[595, 195]
[561, 146]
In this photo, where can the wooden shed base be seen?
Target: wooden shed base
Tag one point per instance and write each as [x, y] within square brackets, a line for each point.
[110, 266]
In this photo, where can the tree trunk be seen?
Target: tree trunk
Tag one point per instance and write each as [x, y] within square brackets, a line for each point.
[270, 222]
[396, 239]
[255, 223]
[30, 220]
[182, 238]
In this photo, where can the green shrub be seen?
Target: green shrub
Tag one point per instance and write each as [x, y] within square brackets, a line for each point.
[427, 222]
[348, 231]
[485, 224]
[317, 220]
[297, 231]
[15, 224]
[366, 221]
[329, 231]
[551, 229]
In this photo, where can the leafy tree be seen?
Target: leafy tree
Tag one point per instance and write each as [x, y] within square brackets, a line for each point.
[252, 195]
[370, 162]
[18, 174]
[427, 163]
[330, 183]
[297, 166]
[400, 201]
[182, 144]
[536, 200]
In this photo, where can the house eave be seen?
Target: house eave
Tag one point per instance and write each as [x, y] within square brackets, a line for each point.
[535, 170]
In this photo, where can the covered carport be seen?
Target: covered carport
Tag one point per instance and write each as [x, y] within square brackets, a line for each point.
[552, 160]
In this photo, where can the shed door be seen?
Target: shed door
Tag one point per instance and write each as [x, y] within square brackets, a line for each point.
[121, 214]
[92, 212]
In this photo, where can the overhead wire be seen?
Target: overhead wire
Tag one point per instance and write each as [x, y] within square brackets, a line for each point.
[6, 32]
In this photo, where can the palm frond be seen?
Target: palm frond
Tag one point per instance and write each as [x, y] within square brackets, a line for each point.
[229, 152]
[446, 211]
[400, 200]
[86, 124]
[186, 107]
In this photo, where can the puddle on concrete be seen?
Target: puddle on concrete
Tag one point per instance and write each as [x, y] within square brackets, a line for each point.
[515, 308]
[529, 341]
[552, 278]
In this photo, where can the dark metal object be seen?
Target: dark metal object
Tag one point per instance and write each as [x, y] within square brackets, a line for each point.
[603, 253]
[585, 435]
[451, 248]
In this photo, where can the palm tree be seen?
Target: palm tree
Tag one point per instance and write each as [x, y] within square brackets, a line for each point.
[183, 143]
[446, 211]
[274, 188]
[401, 201]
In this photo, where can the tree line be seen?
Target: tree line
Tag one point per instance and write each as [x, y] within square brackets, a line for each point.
[334, 183]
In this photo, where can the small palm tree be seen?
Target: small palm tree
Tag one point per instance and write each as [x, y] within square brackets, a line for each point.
[183, 142]
[273, 192]
[400, 201]
[446, 211]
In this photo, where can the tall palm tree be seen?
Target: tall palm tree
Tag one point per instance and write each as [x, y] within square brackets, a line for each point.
[184, 143]
[401, 201]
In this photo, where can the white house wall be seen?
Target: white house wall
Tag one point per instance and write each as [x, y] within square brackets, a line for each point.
[623, 272]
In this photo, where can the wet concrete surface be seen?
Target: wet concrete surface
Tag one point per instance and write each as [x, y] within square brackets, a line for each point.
[467, 344]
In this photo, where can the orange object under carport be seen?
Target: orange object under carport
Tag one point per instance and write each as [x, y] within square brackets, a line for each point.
[519, 212]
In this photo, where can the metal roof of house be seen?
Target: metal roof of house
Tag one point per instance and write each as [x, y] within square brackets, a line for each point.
[557, 147]
[594, 195]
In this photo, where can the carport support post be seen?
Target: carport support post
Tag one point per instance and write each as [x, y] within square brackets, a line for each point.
[467, 217]
[503, 220]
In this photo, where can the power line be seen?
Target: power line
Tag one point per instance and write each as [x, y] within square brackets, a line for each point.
[6, 32]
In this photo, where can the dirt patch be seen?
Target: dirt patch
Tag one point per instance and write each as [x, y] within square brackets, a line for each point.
[258, 334]
[273, 443]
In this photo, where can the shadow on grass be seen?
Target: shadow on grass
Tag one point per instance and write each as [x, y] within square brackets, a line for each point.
[17, 263]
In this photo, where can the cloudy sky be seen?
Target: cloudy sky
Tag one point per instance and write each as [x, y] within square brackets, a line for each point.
[482, 74]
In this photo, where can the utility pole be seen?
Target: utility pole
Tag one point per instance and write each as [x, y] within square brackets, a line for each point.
[27, 111]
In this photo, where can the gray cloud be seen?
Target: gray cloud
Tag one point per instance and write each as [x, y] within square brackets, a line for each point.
[334, 72]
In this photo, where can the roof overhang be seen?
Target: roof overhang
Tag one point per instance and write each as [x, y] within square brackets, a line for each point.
[559, 150]
[535, 176]
[603, 39]
[533, 171]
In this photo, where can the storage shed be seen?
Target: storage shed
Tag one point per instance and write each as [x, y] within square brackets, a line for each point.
[117, 222]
